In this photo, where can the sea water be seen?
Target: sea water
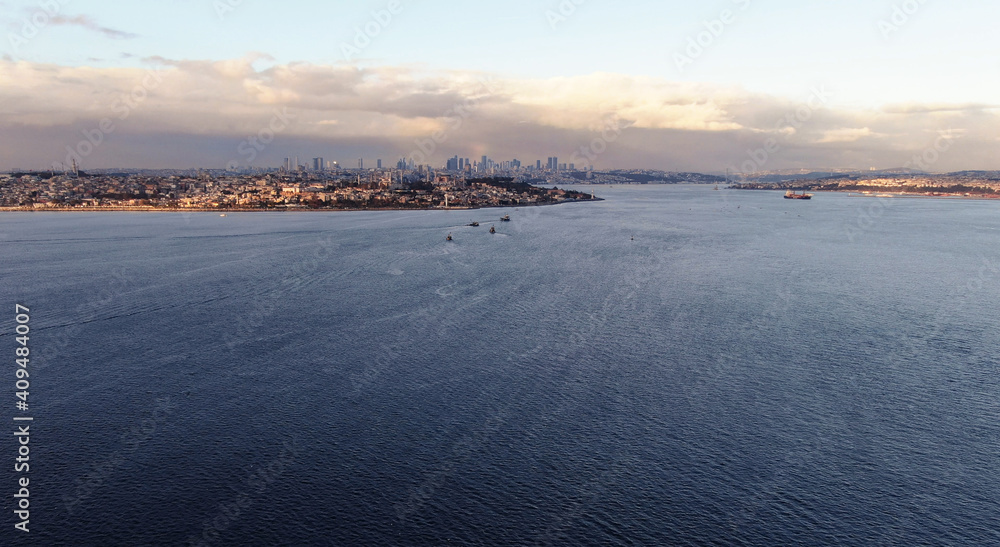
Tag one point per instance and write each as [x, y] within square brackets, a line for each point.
[670, 366]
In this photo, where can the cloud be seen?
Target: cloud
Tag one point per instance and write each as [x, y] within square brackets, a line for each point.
[917, 108]
[202, 110]
[86, 22]
[847, 134]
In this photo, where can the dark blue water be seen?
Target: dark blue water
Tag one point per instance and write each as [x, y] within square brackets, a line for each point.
[747, 371]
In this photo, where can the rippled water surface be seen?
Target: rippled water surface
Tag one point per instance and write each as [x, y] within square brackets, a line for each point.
[671, 366]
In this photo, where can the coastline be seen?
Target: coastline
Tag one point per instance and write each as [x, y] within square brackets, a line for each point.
[876, 194]
[150, 209]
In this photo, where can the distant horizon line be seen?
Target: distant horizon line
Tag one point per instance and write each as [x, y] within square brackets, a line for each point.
[731, 172]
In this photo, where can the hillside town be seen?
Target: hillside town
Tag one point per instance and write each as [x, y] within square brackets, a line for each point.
[376, 189]
[978, 184]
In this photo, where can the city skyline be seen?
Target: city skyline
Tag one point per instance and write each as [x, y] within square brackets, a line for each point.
[739, 84]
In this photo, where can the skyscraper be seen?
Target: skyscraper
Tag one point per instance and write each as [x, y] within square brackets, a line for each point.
[379, 164]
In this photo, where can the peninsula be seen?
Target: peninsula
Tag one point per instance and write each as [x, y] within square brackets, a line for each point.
[269, 192]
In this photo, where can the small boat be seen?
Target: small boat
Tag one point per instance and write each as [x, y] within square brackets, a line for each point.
[506, 218]
[792, 195]
[222, 215]
[493, 229]
[474, 224]
[448, 238]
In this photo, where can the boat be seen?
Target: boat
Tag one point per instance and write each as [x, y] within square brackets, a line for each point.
[222, 215]
[792, 195]
[493, 229]
[448, 238]
[506, 218]
[474, 224]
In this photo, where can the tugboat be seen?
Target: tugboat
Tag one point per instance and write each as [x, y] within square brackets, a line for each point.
[792, 195]
[493, 229]
[448, 238]
[506, 218]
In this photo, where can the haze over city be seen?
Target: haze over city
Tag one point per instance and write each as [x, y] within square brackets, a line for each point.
[661, 85]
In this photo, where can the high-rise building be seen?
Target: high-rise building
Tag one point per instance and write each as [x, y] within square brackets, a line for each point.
[318, 164]
[361, 163]
[379, 164]
[538, 165]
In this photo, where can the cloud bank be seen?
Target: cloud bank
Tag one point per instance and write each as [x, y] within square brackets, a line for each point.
[187, 113]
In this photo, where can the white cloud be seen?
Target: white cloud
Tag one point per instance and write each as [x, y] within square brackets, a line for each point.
[672, 125]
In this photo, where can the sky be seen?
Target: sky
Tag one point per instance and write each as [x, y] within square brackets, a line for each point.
[745, 85]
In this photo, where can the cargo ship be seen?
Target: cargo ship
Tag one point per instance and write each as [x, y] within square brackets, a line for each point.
[792, 195]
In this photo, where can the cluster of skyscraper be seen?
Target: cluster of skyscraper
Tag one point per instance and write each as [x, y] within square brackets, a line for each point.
[554, 165]
[487, 165]
[484, 166]
[293, 165]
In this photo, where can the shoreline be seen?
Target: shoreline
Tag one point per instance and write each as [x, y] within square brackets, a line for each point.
[875, 194]
[140, 209]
